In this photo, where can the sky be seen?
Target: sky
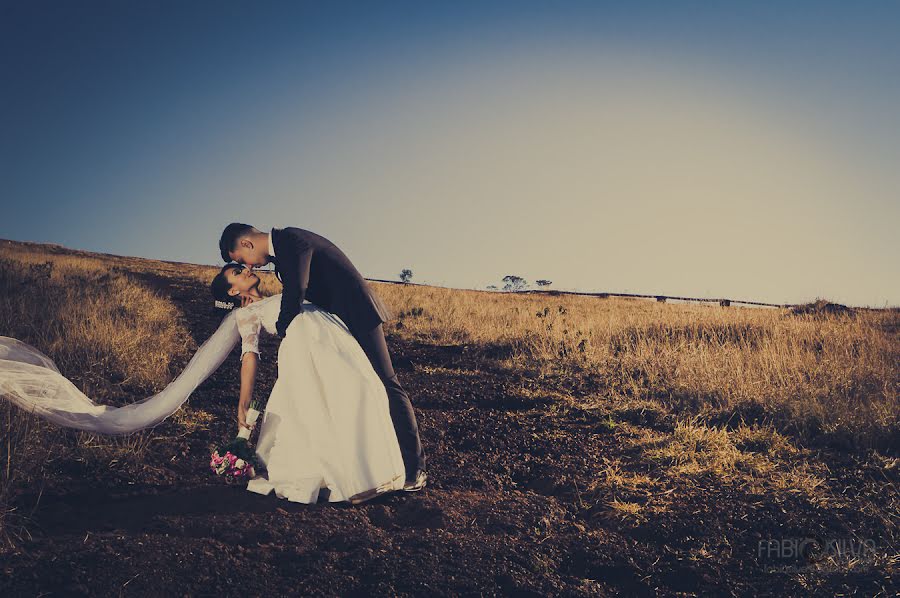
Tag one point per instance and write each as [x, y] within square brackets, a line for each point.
[705, 149]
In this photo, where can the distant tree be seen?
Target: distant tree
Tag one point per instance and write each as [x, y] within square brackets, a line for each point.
[492, 287]
[406, 275]
[514, 283]
[543, 283]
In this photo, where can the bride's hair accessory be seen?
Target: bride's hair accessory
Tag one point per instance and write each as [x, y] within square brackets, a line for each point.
[224, 304]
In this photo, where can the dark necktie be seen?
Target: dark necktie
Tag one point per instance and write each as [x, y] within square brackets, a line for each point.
[274, 260]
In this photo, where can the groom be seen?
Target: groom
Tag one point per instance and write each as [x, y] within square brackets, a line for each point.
[312, 267]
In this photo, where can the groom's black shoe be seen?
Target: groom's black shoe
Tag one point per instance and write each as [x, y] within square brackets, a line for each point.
[418, 483]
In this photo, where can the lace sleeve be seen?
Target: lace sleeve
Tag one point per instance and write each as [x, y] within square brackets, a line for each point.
[249, 324]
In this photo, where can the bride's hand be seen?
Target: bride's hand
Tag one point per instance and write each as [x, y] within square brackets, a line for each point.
[247, 300]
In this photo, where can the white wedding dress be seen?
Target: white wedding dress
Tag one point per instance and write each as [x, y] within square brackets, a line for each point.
[327, 423]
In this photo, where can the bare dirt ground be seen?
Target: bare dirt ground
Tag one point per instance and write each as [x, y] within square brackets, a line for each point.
[512, 506]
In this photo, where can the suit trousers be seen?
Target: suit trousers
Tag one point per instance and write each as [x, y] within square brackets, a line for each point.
[402, 415]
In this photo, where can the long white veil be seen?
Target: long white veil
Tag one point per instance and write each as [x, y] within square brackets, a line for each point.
[31, 380]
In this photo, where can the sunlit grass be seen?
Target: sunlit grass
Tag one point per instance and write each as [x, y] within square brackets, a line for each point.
[829, 377]
[109, 334]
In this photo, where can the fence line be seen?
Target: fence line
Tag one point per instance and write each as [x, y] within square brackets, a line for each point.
[552, 292]
[55, 248]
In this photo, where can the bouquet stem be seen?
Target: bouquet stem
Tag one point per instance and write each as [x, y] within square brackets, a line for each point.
[252, 415]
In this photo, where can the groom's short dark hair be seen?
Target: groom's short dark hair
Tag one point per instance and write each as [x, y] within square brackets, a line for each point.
[230, 236]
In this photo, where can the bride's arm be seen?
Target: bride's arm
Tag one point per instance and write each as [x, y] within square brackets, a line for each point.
[248, 380]
[249, 325]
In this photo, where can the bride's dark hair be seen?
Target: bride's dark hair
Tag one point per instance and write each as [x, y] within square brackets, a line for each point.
[220, 286]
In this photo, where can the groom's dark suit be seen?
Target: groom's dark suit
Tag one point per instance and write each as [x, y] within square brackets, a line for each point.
[313, 268]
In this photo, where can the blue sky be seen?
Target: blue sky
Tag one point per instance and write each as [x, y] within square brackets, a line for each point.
[708, 149]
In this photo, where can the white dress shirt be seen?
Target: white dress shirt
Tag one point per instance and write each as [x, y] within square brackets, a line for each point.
[271, 246]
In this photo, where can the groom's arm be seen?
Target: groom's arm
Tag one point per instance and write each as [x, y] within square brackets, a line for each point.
[295, 281]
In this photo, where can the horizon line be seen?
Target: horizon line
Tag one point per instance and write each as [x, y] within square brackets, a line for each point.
[596, 293]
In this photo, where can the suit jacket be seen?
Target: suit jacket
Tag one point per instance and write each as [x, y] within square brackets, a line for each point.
[313, 268]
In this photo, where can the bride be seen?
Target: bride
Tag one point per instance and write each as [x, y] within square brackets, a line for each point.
[326, 425]
[327, 422]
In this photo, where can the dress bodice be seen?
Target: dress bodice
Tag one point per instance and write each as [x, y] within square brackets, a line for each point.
[260, 315]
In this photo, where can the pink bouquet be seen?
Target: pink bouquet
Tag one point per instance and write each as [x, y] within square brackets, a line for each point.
[237, 460]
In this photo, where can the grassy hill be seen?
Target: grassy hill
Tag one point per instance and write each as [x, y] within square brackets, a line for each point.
[576, 445]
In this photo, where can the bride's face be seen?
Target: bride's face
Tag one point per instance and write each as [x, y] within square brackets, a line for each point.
[242, 279]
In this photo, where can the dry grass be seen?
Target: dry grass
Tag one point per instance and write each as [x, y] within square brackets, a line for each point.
[114, 338]
[702, 395]
[826, 377]
[99, 323]
[695, 457]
